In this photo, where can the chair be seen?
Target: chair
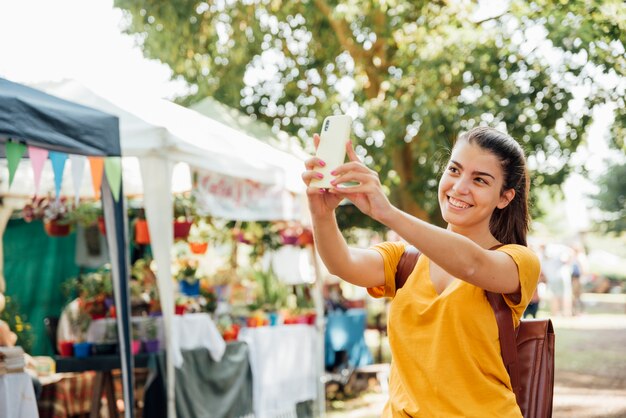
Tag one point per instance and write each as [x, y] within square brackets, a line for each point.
[51, 323]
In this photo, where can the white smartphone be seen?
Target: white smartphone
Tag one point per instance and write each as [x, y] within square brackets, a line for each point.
[332, 148]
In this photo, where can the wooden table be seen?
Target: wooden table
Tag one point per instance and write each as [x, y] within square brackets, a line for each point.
[102, 381]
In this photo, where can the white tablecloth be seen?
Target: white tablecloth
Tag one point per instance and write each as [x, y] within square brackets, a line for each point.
[17, 396]
[189, 331]
[283, 362]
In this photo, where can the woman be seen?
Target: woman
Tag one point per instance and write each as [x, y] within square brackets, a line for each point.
[442, 331]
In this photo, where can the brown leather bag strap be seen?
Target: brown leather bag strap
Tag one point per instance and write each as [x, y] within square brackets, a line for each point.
[506, 332]
[406, 265]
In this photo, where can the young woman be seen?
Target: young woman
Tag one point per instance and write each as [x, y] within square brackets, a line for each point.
[442, 330]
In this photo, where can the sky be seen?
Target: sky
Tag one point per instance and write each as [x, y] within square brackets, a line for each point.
[44, 40]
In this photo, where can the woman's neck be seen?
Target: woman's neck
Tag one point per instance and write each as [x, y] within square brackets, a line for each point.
[480, 235]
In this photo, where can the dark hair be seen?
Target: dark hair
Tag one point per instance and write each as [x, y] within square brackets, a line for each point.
[508, 225]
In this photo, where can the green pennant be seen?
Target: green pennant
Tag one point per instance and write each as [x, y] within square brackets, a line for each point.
[113, 171]
[14, 152]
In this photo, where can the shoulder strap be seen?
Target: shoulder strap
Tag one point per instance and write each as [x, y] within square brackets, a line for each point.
[406, 265]
[506, 332]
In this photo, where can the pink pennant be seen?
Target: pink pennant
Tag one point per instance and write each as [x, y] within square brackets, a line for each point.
[38, 157]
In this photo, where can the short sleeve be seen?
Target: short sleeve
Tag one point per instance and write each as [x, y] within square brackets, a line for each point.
[391, 253]
[528, 267]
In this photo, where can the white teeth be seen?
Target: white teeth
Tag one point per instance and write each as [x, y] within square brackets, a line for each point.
[458, 204]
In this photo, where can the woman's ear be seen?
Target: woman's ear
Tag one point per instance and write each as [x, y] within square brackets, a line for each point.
[506, 198]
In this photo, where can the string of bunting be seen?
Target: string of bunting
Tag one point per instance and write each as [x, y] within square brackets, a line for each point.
[111, 167]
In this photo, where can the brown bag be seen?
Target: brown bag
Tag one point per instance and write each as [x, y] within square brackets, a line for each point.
[527, 352]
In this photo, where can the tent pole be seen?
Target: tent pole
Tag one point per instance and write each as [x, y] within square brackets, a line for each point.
[117, 226]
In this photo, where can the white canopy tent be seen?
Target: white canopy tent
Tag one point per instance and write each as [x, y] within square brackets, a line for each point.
[161, 134]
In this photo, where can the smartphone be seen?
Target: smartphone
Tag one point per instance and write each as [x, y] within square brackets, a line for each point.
[332, 147]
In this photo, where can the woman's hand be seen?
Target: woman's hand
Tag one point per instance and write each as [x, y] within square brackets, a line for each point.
[368, 194]
[321, 202]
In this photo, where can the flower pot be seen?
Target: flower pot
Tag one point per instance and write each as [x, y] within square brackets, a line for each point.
[180, 309]
[305, 238]
[198, 247]
[103, 349]
[54, 229]
[189, 289]
[288, 239]
[181, 229]
[82, 350]
[66, 348]
[142, 234]
[274, 318]
[135, 346]
[151, 346]
[101, 225]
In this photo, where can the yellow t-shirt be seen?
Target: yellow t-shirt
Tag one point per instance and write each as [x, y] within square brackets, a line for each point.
[445, 348]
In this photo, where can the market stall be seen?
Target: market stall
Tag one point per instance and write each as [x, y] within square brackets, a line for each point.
[33, 122]
[239, 177]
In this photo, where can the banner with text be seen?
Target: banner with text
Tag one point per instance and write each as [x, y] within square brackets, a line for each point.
[246, 200]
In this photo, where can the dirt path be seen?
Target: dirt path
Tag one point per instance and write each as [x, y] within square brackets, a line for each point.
[590, 378]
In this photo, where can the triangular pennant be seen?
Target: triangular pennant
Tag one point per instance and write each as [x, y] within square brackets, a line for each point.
[37, 160]
[97, 169]
[78, 170]
[58, 165]
[113, 171]
[14, 153]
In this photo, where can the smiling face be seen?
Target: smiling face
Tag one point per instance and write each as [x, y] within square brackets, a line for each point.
[471, 188]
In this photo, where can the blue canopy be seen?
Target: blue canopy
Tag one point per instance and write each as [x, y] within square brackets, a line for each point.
[37, 118]
[32, 117]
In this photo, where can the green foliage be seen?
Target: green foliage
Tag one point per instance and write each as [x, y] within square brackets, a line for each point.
[611, 199]
[271, 293]
[87, 213]
[18, 323]
[184, 207]
[414, 72]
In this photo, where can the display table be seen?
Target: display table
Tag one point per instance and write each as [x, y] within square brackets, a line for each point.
[82, 392]
[17, 396]
[65, 395]
[189, 331]
[283, 360]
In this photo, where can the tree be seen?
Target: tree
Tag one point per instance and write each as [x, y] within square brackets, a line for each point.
[611, 199]
[414, 73]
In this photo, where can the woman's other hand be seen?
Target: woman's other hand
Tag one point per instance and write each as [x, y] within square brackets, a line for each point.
[321, 201]
[367, 194]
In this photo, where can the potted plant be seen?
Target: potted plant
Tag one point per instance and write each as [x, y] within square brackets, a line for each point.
[151, 340]
[54, 213]
[135, 345]
[79, 324]
[199, 237]
[140, 228]
[108, 345]
[88, 215]
[94, 289]
[184, 210]
[188, 283]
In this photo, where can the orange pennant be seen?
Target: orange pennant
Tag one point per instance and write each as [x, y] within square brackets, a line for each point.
[97, 169]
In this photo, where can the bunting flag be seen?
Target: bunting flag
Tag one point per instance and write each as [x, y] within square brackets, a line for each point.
[113, 171]
[97, 168]
[58, 165]
[14, 153]
[78, 170]
[38, 158]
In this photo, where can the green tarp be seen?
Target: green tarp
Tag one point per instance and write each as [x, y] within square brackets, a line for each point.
[35, 266]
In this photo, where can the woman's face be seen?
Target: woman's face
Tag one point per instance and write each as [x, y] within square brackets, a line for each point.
[470, 188]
